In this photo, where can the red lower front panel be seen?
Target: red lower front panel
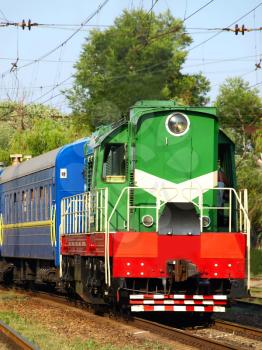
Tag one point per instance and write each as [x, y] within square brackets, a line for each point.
[146, 254]
[216, 255]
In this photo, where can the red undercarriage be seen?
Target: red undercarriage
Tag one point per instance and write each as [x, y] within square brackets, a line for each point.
[145, 254]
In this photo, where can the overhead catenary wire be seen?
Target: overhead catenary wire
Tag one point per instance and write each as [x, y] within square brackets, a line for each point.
[174, 29]
[221, 31]
[198, 10]
[215, 60]
[4, 16]
[52, 89]
[88, 19]
[146, 68]
[253, 86]
[59, 67]
[51, 98]
[37, 87]
[237, 29]
[154, 2]
[44, 25]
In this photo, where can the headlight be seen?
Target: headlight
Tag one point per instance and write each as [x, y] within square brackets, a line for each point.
[147, 220]
[177, 124]
[206, 221]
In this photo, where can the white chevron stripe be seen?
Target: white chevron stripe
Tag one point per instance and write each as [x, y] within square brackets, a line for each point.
[169, 191]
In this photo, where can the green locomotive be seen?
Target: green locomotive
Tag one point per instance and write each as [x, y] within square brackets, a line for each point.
[154, 231]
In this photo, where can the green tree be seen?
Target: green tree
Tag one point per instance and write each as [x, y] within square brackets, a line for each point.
[20, 116]
[240, 110]
[249, 176]
[45, 135]
[34, 129]
[132, 60]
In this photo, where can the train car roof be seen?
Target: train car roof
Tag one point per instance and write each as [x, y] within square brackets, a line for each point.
[42, 162]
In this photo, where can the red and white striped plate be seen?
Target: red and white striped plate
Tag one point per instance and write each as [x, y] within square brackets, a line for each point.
[183, 308]
[176, 296]
[177, 302]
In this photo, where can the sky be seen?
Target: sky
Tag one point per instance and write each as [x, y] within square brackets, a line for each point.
[42, 79]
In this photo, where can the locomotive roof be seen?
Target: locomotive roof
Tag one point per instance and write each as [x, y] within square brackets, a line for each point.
[44, 161]
[147, 106]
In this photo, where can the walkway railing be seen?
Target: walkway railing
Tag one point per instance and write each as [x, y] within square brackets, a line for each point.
[85, 212]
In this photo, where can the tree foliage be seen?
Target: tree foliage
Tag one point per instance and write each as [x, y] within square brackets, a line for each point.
[45, 135]
[240, 111]
[34, 129]
[249, 176]
[238, 104]
[133, 60]
[21, 116]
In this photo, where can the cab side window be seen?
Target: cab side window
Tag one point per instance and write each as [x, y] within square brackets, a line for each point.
[114, 162]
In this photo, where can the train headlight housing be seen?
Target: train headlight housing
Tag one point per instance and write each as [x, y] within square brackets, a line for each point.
[147, 220]
[206, 221]
[177, 124]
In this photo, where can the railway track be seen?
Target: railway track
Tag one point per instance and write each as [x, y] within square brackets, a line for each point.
[14, 338]
[249, 332]
[176, 334]
[186, 337]
[180, 335]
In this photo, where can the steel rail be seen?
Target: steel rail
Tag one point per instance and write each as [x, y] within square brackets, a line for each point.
[182, 336]
[16, 338]
[247, 331]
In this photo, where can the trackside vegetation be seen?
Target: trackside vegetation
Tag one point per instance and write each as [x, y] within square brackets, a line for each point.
[256, 262]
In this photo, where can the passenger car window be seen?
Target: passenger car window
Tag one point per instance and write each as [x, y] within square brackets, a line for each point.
[41, 193]
[31, 195]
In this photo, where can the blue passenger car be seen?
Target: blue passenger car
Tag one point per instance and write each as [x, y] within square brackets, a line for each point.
[30, 198]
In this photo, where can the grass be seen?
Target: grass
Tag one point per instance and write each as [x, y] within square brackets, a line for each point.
[6, 296]
[45, 339]
[256, 261]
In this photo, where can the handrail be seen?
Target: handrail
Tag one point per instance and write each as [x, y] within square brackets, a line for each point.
[107, 257]
[78, 212]
[53, 225]
[1, 230]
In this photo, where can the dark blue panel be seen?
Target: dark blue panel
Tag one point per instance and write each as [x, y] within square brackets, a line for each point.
[35, 210]
[28, 242]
